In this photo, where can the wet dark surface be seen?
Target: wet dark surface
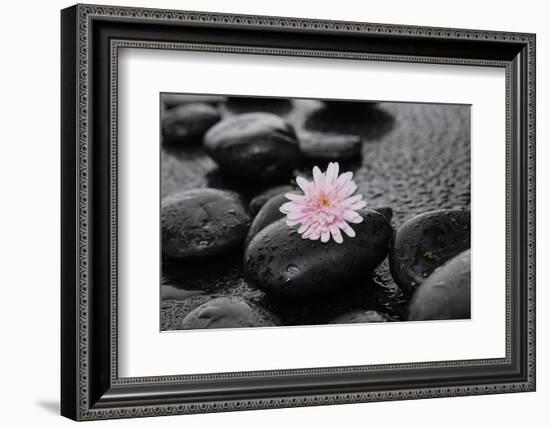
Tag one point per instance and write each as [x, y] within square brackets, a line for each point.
[425, 243]
[446, 292]
[202, 222]
[415, 158]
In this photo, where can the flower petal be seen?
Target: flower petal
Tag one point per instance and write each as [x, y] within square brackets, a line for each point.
[307, 233]
[295, 197]
[358, 206]
[293, 215]
[348, 230]
[350, 215]
[303, 184]
[351, 200]
[315, 235]
[336, 234]
[317, 175]
[287, 207]
[332, 173]
[348, 189]
[357, 219]
[303, 228]
[343, 179]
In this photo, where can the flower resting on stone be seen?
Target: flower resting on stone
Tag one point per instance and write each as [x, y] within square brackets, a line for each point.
[326, 207]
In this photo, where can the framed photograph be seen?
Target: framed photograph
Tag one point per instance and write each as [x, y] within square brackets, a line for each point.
[263, 212]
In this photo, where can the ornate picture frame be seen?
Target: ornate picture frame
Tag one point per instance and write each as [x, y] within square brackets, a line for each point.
[91, 38]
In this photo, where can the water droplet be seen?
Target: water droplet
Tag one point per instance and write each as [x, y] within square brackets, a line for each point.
[203, 243]
[292, 269]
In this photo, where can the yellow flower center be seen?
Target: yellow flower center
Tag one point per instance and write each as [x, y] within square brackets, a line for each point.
[325, 202]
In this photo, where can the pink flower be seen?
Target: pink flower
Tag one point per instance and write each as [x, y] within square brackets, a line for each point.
[325, 207]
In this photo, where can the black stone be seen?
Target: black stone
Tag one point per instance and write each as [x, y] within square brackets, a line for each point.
[247, 188]
[268, 214]
[330, 146]
[255, 146]
[280, 262]
[245, 104]
[228, 312]
[188, 122]
[425, 242]
[445, 294]
[202, 222]
[387, 212]
[358, 317]
[358, 118]
[349, 105]
[258, 201]
[172, 100]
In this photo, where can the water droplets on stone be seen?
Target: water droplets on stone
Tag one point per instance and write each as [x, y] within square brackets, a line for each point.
[203, 243]
[292, 269]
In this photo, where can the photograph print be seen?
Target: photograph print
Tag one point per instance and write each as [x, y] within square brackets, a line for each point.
[283, 212]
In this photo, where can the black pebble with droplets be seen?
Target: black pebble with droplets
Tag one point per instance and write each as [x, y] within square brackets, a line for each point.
[415, 158]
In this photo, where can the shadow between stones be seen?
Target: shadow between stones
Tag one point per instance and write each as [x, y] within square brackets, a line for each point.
[365, 120]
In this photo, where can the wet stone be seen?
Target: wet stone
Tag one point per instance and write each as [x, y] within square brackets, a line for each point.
[228, 312]
[358, 317]
[387, 212]
[349, 105]
[366, 120]
[330, 146]
[188, 123]
[172, 100]
[258, 201]
[247, 188]
[280, 262]
[202, 222]
[243, 104]
[445, 294]
[268, 214]
[425, 242]
[253, 146]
